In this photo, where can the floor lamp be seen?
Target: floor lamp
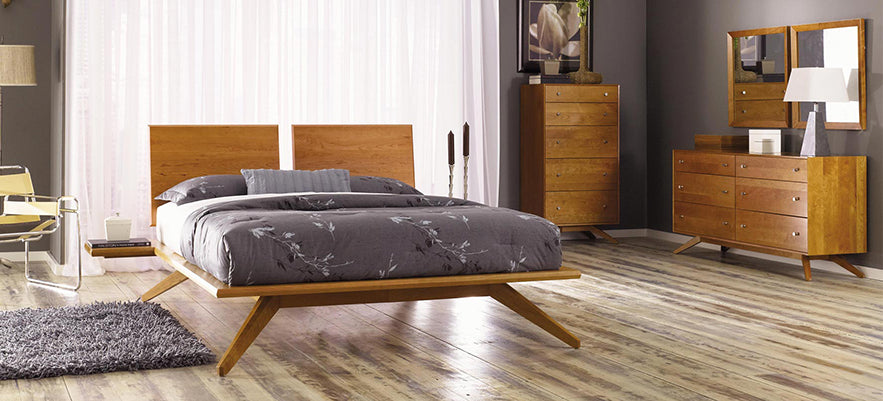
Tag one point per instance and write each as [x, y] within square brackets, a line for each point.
[16, 68]
[816, 85]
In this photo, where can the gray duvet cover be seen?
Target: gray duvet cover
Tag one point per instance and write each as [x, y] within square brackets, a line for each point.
[334, 237]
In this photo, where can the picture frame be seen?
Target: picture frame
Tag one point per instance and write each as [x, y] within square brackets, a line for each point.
[565, 48]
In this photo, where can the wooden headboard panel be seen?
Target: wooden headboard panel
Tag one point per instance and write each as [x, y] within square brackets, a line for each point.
[379, 150]
[179, 152]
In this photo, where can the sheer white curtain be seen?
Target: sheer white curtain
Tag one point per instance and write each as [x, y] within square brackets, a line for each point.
[132, 63]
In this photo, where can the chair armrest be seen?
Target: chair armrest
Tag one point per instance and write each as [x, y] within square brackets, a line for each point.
[39, 205]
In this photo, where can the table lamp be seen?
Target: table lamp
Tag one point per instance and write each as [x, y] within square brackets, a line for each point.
[16, 67]
[816, 85]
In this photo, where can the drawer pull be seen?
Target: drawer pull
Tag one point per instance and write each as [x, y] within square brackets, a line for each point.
[680, 162]
[744, 166]
[725, 164]
[605, 141]
[604, 174]
[725, 191]
[726, 223]
[605, 94]
[557, 174]
[681, 216]
[744, 193]
[557, 207]
[605, 114]
[744, 92]
[796, 169]
[604, 206]
[557, 142]
[795, 199]
[680, 187]
[795, 234]
[742, 225]
[557, 93]
[744, 111]
[558, 113]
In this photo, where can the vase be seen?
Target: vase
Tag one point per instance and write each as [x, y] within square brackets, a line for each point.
[583, 75]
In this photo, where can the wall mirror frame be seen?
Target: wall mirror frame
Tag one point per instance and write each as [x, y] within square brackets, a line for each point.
[855, 84]
[755, 96]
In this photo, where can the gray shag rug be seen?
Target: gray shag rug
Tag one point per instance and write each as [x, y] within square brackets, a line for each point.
[95, 338]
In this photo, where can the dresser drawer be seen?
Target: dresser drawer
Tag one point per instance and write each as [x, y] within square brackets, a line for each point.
[771, 230]
[759, 110]
[706, 189]
[582, 174]
[712, 221]
[771, 196]
[582, 207]
[759, 91]
[773, 168]
[582, 141]
[581, 93]
[581, 114]
[703, 162]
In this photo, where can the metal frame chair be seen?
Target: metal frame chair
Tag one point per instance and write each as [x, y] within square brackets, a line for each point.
[21, 205]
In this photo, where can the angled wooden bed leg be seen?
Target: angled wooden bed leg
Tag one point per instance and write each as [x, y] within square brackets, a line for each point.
[687, 245]
[846, 265]
[166, 284]
[600, 233]
[260, 315]
[507, 295]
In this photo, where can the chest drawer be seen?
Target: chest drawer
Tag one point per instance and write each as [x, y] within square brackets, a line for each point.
[581, 114]
[772, 230]
[759, 91]
[581, 174]
[581, 93]
[582, 141]
[703, 163]
[773, 168]
[706, 189]
[713, 221]
[582, 207]
[771, 196]
[752, 111]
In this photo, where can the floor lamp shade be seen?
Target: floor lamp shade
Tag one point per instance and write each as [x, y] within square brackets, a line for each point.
[17, 66]
[816, 85]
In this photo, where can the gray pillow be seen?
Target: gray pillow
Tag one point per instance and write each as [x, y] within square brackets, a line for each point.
[382, 185]
[205, 187]
[282, 181]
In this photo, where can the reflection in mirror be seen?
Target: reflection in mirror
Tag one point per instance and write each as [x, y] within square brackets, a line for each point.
[761, 58]
[832, 48]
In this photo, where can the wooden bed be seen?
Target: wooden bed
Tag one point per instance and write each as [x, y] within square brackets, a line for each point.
[181, 152]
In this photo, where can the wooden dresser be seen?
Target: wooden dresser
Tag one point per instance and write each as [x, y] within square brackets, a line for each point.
[806, 208]
[570, 155]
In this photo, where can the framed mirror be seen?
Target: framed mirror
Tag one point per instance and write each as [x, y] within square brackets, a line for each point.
[838, 44]
[758, 66]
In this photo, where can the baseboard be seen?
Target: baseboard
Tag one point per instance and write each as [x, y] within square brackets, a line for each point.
[36, 256]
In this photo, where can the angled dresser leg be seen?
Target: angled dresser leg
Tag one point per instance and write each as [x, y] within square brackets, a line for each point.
[687, 245]
[512, 299]
[260, 315]
[807, 273]
[846, 265]
[597, 232]
[166, 284]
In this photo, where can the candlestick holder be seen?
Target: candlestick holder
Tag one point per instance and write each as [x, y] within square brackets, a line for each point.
[450, 181]
[465, 177]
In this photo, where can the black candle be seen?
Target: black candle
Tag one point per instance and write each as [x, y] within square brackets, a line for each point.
[451, 147]
[466, 139]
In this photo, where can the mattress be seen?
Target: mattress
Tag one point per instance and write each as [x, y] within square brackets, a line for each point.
[318, 237]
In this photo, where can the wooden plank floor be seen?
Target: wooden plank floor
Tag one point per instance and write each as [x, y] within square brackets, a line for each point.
[654, 326]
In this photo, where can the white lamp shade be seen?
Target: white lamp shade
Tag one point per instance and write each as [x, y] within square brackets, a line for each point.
[17, 66]
[816, 85]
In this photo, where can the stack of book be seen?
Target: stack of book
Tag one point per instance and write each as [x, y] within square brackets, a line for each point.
[549, 79]
[103, 243]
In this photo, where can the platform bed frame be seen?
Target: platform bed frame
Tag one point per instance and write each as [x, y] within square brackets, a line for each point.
[173, 161]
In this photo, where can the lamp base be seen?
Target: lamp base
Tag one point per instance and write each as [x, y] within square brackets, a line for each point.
[815, 140]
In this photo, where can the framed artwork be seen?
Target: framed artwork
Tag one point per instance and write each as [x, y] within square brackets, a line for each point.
[549, 29]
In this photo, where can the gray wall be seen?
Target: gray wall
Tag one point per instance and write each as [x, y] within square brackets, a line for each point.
[28, 111]
[620, 55]
[687, 88]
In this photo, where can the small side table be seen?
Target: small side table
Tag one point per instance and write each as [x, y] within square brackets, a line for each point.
[121, 252]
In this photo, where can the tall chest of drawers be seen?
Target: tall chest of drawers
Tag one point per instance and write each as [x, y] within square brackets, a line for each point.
[799, 207]
[570, 155]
